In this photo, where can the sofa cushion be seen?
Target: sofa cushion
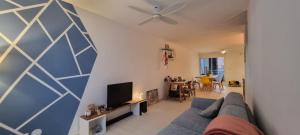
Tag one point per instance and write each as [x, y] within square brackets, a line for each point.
[191, 119]
[174, 129]
[234, 110]
[201, 103]
[234, 99]
[213, 110]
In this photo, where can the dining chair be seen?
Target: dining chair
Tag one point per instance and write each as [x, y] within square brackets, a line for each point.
[189, 89]
[218, 82]
[177, 91]
[206, 83]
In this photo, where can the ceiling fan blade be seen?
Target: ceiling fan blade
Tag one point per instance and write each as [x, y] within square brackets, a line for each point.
[168, 20]
[152, 2]
[146, 21]
[140, 10]
[173, 8]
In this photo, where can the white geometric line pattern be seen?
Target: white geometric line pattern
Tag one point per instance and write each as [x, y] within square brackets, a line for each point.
[68, 77]
[10, 129]
[44, 83]
[66, 11]
[44, 29]
[14, 3]
[21, 18]
[72, 50]
[46, 60]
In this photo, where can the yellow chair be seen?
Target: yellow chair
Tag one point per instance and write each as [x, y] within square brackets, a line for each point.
[206, 83]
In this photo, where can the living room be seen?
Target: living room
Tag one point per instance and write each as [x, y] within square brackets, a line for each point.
[58, 59]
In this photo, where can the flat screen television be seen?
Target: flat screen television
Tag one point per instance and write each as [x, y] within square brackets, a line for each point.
[118, 94]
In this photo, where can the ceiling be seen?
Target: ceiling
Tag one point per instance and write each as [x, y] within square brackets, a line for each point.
[203, 25]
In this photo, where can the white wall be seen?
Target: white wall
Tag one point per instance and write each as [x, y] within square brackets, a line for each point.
[234, 65]
[272, 66]
[129, 55]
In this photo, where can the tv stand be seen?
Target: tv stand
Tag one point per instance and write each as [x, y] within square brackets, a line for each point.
[138, 107]
[133, 107]
[114, 120]
[96, 124]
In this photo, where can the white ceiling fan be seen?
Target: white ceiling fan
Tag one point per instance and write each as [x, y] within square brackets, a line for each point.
[160, 13]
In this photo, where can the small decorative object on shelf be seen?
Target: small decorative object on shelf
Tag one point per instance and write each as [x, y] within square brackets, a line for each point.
[168, 79]
[87, 113]
[174, 79]
[93, 122]
[94, 111]
[100, 109]
[168, 54]
[179, 79]
[91, 110]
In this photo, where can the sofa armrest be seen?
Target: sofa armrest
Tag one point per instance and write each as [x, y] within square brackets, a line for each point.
[202, 103]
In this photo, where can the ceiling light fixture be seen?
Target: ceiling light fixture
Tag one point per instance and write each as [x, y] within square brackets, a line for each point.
[223, 51]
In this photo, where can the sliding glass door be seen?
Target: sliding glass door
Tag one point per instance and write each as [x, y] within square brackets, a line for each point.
[214, 66]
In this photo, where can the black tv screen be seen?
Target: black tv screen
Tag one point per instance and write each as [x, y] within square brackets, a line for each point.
[118, 94]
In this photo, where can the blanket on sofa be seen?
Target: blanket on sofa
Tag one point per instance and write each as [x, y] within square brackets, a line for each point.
[231, 125]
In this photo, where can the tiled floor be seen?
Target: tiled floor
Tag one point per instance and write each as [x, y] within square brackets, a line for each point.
[215, 94]
[160, 115]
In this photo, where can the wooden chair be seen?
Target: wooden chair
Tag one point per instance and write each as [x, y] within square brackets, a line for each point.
[192, 88]
[176, 91]
[189, 89]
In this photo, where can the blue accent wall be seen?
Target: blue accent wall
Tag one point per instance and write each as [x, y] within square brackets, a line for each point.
[46, 58]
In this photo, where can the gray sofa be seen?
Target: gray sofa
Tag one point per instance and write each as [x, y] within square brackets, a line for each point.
[191, 123]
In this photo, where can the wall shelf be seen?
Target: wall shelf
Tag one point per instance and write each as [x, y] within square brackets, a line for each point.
[166, 49]
[169, 51]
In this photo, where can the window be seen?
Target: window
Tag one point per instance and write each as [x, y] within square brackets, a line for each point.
[214, 66]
